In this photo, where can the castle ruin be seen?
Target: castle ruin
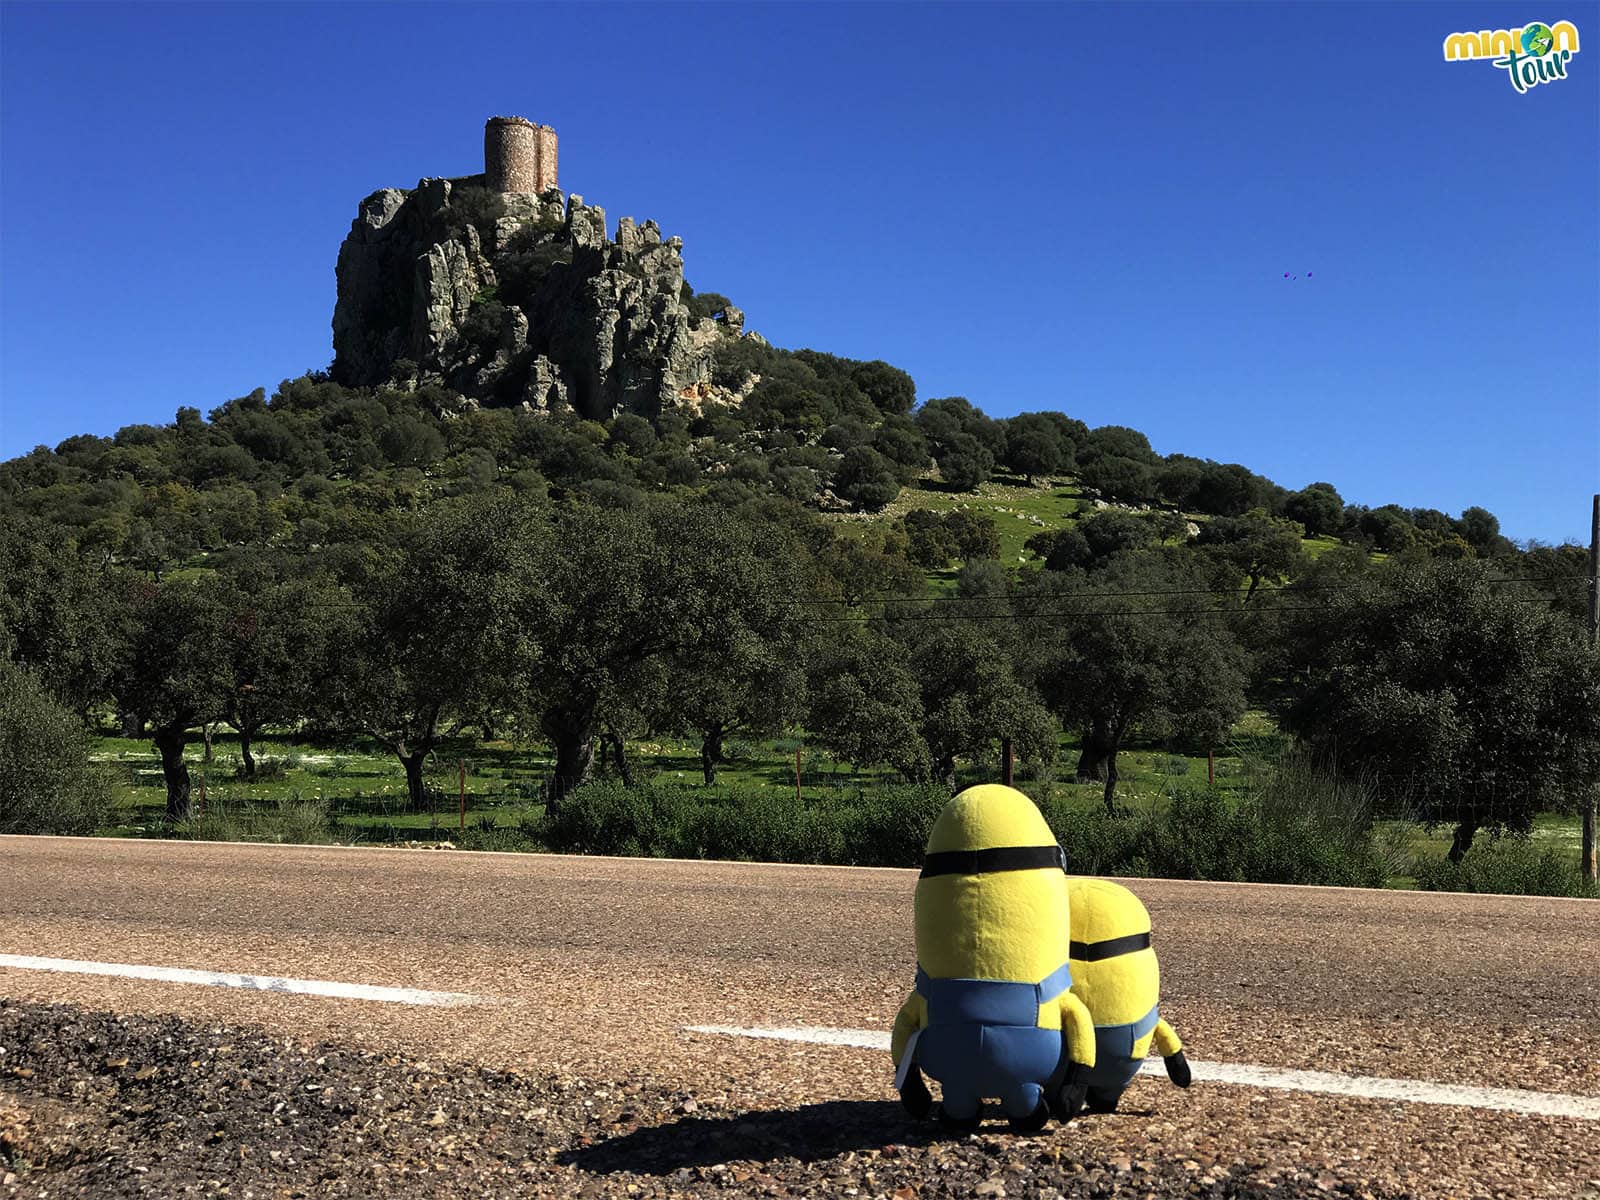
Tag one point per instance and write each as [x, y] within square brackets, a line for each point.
[519, 156]
[525, 301]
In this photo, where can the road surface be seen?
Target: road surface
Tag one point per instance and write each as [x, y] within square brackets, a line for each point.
[601, 967]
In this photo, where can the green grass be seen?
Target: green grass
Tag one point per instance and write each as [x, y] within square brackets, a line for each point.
[363, 786]
[1560, 831]
[1018, 511]
[1318, 546]
[356, 793]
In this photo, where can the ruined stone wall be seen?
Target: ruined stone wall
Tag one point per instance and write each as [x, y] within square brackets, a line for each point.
[519, 156]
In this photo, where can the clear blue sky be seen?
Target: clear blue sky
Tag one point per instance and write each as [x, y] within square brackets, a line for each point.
[1082, 208]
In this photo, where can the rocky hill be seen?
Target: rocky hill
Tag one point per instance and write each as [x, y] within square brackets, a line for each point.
[515, 299]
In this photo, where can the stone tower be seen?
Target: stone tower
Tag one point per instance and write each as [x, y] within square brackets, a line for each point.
[519, 156]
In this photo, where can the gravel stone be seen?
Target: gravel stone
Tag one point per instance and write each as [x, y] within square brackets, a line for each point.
[214, 1110]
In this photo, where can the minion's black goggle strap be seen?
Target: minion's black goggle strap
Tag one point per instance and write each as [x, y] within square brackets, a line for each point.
[998, 858]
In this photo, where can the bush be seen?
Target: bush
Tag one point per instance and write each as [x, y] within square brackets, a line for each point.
[479, 207]
[47, 783]
[883, 827]
[269, 768]
[866, 480]
[1299, 823]
[1096, 843]
[888, 826]
[1199, 836]
[704, 304]
[604, 817]
[487, 834]
[1315, 826]
[291, 819]
[1510, 866]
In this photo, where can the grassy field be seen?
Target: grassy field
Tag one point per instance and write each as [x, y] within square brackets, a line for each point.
[1018, 511]
[356, 794]
[363, 785]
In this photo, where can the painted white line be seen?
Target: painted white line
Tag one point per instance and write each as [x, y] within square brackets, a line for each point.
[1369, 1087]
[867, 1039]
[254, 983]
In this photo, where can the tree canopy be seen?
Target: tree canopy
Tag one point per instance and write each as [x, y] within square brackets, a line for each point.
[1471, 705]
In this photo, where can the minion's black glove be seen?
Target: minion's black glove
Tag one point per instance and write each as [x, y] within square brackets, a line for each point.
[1178, 1069]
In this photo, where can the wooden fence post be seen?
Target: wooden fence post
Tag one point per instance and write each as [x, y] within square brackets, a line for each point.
[1005, 757]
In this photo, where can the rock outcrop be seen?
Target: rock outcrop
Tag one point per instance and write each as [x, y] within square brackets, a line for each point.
[517, 299]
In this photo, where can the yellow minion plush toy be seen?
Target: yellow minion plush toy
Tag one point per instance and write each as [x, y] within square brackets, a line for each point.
[993, 1014]
[1115, 974]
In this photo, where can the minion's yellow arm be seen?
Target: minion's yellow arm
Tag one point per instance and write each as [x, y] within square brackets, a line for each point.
[913, 1016]
[1078, 1027]
[1166, 1039]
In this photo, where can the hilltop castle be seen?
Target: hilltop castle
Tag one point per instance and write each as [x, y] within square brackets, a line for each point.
[501, 288]
[518, 156]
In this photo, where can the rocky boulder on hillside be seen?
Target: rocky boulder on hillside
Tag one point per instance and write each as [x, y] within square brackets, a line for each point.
[516, 299]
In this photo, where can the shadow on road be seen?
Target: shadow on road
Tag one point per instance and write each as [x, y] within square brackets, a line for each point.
[808, 1133]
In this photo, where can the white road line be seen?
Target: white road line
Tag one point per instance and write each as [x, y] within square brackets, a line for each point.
[1370, 1087]
[254, 983]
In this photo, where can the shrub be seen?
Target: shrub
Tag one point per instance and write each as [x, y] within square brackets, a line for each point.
[704, 304]
[486, 834]
[866, 480]
[1095, 842]
[523, 269]
[1297, 823]
[269, 768]
[1200, 835]
[1511, 866]
[295, 819]
[883, 827]
[479, 207]
[1315, 825]
[888, 826]
[604, 817]
[47, 783]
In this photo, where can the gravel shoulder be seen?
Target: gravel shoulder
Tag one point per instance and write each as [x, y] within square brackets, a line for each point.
[107, 1105]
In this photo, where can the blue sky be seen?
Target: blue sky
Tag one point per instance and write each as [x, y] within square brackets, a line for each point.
[1084, 208]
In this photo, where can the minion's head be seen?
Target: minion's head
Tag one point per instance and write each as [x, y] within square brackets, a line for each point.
[992, 899]
[1114, 970]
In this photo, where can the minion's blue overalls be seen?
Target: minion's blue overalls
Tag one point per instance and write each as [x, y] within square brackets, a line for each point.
[983, 1039]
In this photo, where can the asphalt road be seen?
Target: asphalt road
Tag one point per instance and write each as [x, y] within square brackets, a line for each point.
[598, 965]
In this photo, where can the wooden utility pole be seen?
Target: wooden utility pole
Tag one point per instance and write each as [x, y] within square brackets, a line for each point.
[1590, 871]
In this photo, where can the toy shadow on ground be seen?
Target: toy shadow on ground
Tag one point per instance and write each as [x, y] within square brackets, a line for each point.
[808, 1133]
